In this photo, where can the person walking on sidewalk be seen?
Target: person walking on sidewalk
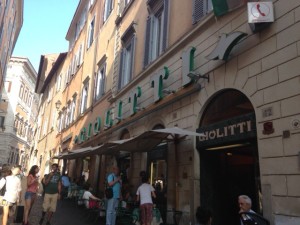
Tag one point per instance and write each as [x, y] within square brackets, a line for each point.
[114, 181]
[12, 192]
[52, 193]
[144, 193]
[30, 194]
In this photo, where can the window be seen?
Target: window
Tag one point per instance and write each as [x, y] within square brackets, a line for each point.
[58, 82]
[67, 114]
[84, 97]
[8, 86]
[100, 82]
[80, 56]
[60, 122]
[127, 57]
[49, 94]
[73, 107]
[91, 33]
[200, 9]
[21, 91]
[45, 127]
[108, 8]
[156, 30]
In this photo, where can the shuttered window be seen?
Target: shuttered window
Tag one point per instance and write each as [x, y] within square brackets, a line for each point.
[156, 38]
[127, 62]
[200, 9]
[100, 82]
[107, 9]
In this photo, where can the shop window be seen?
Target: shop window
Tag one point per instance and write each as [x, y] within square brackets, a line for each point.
[156, 30]
[200, 9]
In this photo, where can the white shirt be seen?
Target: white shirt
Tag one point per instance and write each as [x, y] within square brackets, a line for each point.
[13, 187]
[144, 191]
[86, 196]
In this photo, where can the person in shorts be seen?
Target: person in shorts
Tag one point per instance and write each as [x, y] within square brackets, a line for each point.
[30, 194]
[52, 193]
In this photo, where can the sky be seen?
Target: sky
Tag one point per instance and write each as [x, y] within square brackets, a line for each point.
[44, 30]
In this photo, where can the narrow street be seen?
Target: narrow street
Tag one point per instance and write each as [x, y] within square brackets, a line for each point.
[67, 214]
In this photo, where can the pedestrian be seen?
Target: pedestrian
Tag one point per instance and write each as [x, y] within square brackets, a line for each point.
[43, 184]
[114, 181]
[31, 191]
[245, 204]
[52, 190]
[88, 197]
[65, 181]
[144, 193]
[12, 192]
[203, 216]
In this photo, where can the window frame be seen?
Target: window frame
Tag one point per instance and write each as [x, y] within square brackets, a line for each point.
[100, 91]
[156, 35]
[127, 57]
[108, 7]
[84, 97]
[91, 33]
[200, 9]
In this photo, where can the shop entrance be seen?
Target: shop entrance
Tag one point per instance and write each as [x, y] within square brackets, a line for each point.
[157, 170]
[229, 164]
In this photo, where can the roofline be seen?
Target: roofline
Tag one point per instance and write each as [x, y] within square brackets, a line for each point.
[53, 70]
[39, 72]
[69, 30]
[26, 62]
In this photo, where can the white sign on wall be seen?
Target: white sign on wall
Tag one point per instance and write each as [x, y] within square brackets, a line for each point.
[260, 12]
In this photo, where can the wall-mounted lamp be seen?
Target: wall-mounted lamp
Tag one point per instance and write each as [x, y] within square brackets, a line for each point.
[57, 104]
[195, 77]
[167, 91]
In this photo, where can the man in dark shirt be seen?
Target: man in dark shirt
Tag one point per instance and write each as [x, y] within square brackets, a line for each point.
[52, 193]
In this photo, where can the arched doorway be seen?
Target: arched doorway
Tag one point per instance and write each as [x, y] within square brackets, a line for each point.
[229, 164]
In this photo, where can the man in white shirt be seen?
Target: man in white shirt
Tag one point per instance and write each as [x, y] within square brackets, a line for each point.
[144, 193]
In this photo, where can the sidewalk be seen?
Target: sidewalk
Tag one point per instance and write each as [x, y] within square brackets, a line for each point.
[67, 213]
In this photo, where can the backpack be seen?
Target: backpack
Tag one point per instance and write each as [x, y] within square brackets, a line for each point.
[3, 189]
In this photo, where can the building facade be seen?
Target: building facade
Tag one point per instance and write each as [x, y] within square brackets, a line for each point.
[19, 111]
[11, 21]
[135, 66]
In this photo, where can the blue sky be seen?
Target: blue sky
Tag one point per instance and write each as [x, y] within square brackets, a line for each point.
[45, 25]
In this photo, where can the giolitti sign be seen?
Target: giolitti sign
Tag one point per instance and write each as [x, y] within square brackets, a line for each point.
[228, 131]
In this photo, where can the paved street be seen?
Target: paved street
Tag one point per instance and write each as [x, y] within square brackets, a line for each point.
[67, 214]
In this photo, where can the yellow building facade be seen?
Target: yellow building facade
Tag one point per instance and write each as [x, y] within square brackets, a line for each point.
[135, 66]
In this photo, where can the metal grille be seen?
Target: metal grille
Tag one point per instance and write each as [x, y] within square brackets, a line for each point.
[198, 10]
